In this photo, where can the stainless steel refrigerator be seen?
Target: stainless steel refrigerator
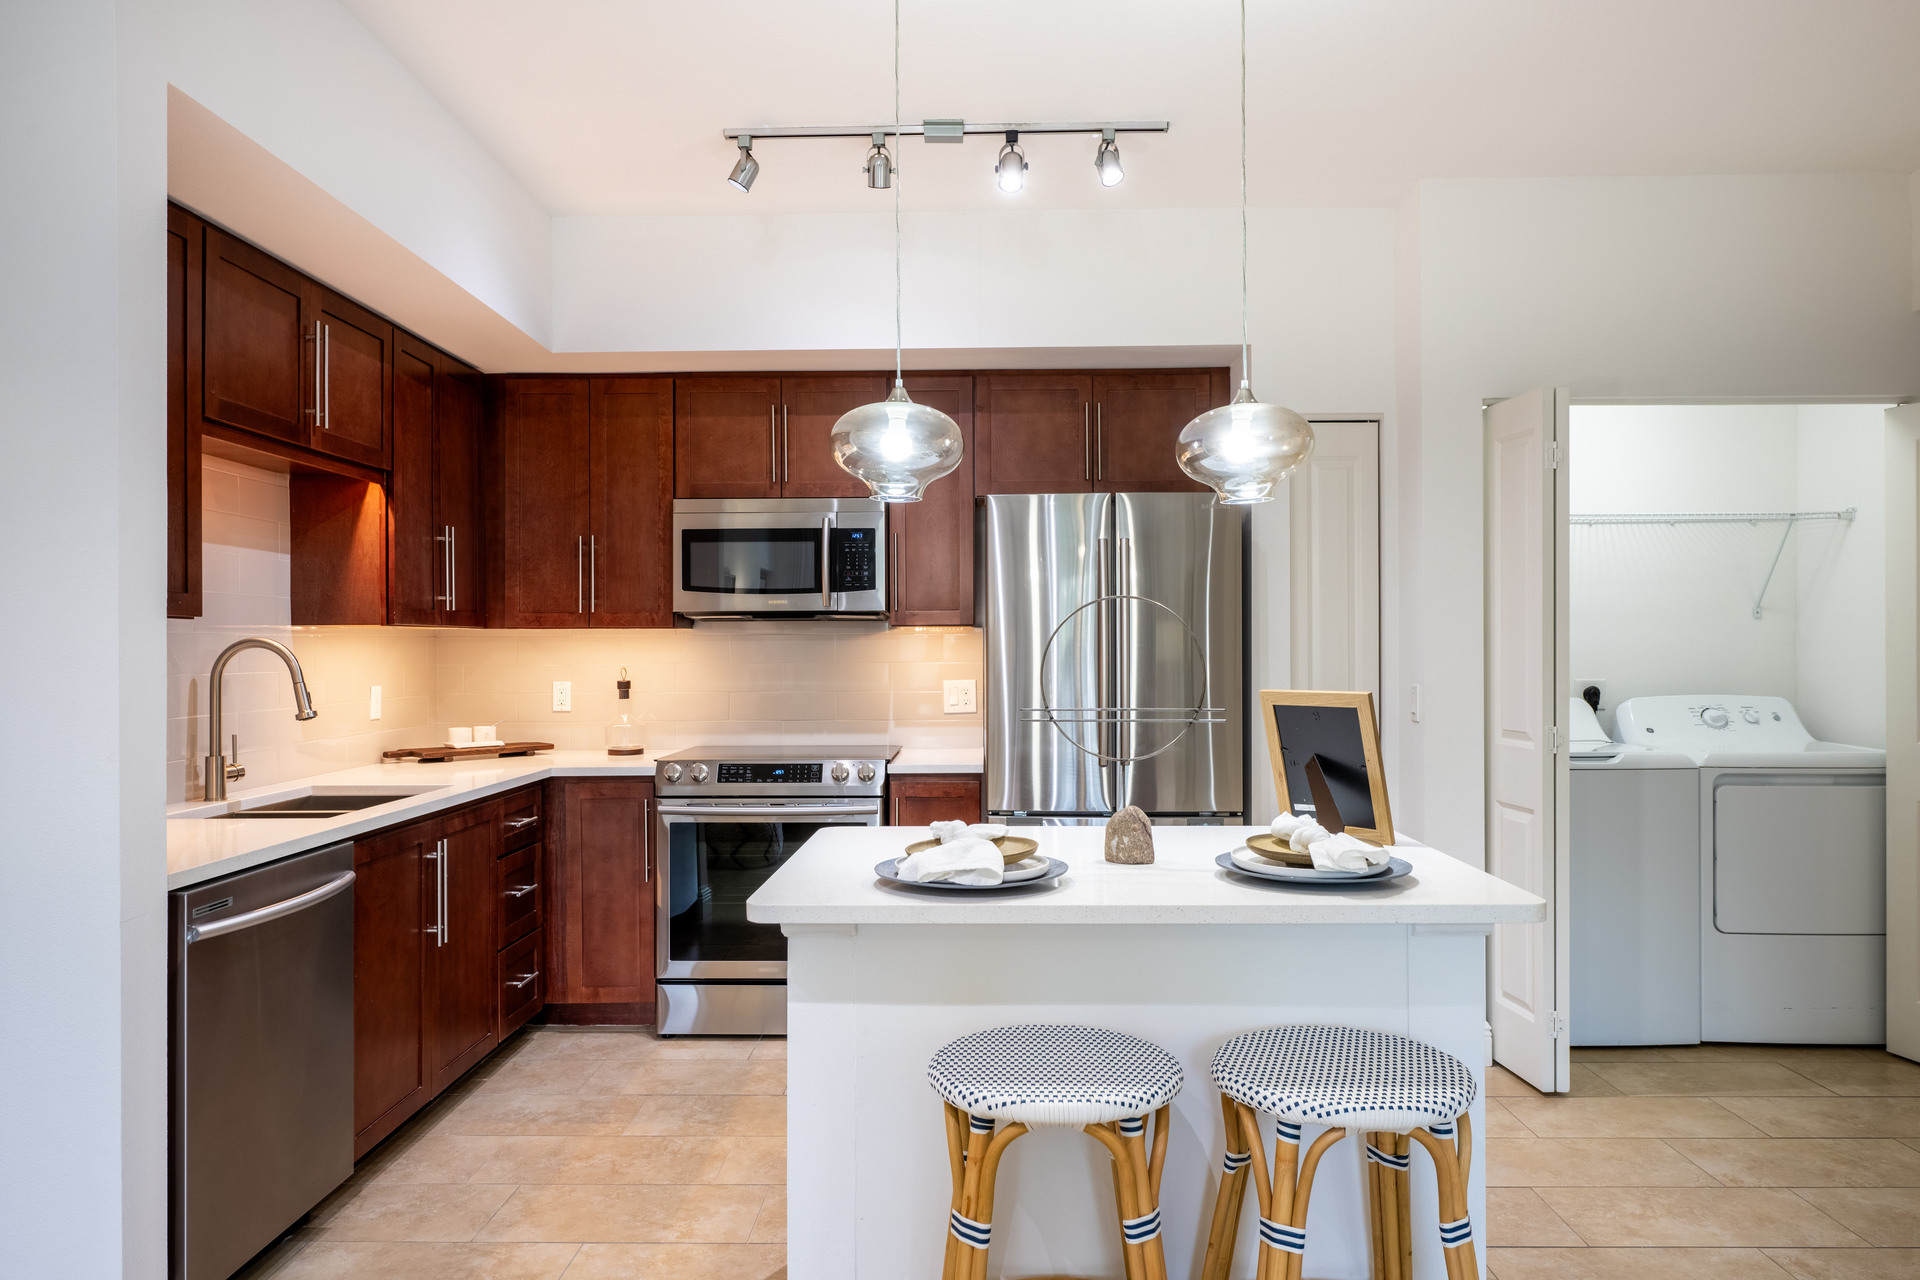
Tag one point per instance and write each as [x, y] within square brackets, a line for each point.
[1116, 660]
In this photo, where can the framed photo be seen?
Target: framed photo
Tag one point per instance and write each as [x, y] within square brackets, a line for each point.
[1324, 748]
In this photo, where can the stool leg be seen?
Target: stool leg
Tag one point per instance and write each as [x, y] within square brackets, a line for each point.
[1228, 1199]
[1127, 1259]
[1146, 1199]
[961, 1254]
[983, 1202]
[1456, 1231]
[1402, 1183]
[1377, 1210]
[1126, 1190]
[1303, 1193]
[956, 1160]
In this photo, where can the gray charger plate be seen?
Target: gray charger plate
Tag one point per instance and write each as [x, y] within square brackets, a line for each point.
[886, 871]
[1306, 877]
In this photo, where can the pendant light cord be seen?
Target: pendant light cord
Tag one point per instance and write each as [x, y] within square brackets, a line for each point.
[1246, 374]
[897, 338]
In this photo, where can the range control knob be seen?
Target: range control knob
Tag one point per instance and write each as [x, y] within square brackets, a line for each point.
[1750, 715]
[866, 773]
[698, 773]
[840, 772]
[1715, 718]
[671, 772]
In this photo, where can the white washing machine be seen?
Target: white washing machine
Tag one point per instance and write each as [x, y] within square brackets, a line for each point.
[1792, 869]
[1635, 856]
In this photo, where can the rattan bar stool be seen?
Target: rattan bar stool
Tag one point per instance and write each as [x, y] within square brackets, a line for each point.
[1391, 1090]
[1034, 1076]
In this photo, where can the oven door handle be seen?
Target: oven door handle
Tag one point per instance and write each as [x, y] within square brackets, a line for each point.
[723, 812]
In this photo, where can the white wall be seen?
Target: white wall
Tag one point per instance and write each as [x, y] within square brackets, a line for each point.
[1669, 608]
[82, 501]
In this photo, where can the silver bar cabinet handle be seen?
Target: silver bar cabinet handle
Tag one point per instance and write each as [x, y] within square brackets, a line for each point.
[317, 359]
[1086, 441]
[1099, 442]
[523, 890]
[453, 568]
[326, 383]
[593, 573]
[773, 444]
[580, 574]
[523, 980]
[446, 571]
[261, 915]
[786, 472]
[446, 877]
[514, 824]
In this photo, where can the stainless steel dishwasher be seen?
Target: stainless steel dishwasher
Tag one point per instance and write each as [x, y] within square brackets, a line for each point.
[261, 1055]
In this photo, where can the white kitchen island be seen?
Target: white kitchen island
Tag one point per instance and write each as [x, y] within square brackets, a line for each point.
[1179, 952]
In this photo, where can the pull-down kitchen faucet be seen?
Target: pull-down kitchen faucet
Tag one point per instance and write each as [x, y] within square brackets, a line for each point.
[218, 770]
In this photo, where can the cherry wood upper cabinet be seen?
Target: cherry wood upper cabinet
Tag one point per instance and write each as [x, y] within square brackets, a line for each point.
[185, 240]
[809, 406]
[726, 434]
[1137, 418]
[460, 985]
[630, 533]
[354, 348]
[1033, 432]
[600, 932]
[932, 553]
[542, 490]
[393, 905]
[434, 555]
[258, 355]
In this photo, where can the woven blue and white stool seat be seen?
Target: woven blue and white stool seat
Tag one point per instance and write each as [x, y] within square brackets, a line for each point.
[1045, 1075]
[1344, 1076]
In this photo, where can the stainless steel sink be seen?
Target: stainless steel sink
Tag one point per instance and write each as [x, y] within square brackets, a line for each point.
[318, 803]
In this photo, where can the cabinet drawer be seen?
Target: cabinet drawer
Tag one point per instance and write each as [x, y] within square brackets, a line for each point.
[523, 820]
[523, 988]
[522, 897]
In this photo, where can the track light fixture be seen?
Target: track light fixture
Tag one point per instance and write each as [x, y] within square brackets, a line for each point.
[746, 168]
[879, 166]
[1010, 170]
[1106, 161]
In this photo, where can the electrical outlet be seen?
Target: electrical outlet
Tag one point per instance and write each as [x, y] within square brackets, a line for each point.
[1580, 688]
[563, 695]
[373, 704]
[960, 700]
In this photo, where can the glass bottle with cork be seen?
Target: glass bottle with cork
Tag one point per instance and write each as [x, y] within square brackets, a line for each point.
[623, 735]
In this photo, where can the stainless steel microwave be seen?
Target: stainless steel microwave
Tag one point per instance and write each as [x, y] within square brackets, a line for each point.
[780, 557]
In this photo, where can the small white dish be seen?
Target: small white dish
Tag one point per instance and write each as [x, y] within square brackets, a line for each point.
[497, 742]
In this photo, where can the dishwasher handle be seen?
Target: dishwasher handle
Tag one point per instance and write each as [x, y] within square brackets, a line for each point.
[278, 910]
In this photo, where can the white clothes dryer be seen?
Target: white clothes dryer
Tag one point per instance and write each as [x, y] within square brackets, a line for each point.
[1792, 869]
[1635, 858]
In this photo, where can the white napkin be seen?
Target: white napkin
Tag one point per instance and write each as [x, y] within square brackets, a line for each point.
[1286, 824]
[1305, 834]
[950, 831]
[1344, 853]
[963, 861]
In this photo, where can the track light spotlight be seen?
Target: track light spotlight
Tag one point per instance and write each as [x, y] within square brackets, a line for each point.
[1107, 160]
[746, 168]
[1011, 169]
[879, 166]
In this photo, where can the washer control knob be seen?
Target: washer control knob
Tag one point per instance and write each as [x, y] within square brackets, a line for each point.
[1715, 718]
[671, 772]
[698, 773]
[841, 773]
[866, 773]
[1750, 716]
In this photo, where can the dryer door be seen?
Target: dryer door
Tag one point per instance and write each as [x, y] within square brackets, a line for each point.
[1800, 853]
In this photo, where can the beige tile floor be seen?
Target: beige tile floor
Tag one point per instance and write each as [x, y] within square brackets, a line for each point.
[595, 1154]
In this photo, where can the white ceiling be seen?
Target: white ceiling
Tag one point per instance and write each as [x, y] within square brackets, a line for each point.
[616, 106]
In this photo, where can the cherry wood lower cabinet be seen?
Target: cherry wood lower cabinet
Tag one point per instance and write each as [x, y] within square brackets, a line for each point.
[920, 799]
[393, 906]
[460, 960]
[599, 933]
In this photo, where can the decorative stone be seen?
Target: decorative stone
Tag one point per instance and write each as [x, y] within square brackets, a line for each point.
[1130, 837]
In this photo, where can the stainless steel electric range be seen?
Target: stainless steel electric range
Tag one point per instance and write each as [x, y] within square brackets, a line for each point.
[729, 817]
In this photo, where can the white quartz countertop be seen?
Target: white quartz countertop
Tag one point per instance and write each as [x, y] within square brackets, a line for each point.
[831, 881]
[200, 849]
[938, 760]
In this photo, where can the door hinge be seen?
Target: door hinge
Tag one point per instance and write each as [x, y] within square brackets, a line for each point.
[1553, 735]
[1559, 1025]
[1553, 455]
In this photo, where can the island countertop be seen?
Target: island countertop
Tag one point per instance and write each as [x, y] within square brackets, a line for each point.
[831, 881]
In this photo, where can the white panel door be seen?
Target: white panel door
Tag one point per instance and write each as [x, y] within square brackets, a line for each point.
[1903, 730]
[1334, 537]
[1526, 689]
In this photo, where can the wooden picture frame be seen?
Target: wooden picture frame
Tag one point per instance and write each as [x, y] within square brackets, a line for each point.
[1337, 732]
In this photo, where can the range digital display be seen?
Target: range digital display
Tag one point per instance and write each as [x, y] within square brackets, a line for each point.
[738, 771]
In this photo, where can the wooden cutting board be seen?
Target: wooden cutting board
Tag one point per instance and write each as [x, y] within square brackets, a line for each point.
[434, 755]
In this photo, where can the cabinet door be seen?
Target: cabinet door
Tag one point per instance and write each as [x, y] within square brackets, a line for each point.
[932, 554]
[1137, 419]
[630, 569]
[544, 446]
[1033, 432]
[726, 437]
[603, 892]
[809, 406]
[258, 350]
[523, 986]
[918, 800]
[184, 242]
[460, 957]
[457, 498]
[356, 360]
[393, 906]
[416, 552]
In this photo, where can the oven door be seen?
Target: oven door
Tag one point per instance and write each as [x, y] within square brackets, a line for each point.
[759, 558]
[714, 855]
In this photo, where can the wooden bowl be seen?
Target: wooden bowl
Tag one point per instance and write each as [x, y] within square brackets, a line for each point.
[1012, 848]
[1271, 846]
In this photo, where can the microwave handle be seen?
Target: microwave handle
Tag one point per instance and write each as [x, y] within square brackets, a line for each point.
[826, 566]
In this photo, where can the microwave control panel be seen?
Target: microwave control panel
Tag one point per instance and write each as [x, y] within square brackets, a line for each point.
[852, 560]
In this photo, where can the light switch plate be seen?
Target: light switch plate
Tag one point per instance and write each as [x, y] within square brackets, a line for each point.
[563, 695]
[959, 698]
[373, 704]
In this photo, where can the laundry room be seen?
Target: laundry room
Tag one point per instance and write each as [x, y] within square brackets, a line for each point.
[1727, 618]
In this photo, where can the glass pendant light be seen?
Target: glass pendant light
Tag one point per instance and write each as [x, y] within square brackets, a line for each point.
[896, 447]
[1243, 450]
